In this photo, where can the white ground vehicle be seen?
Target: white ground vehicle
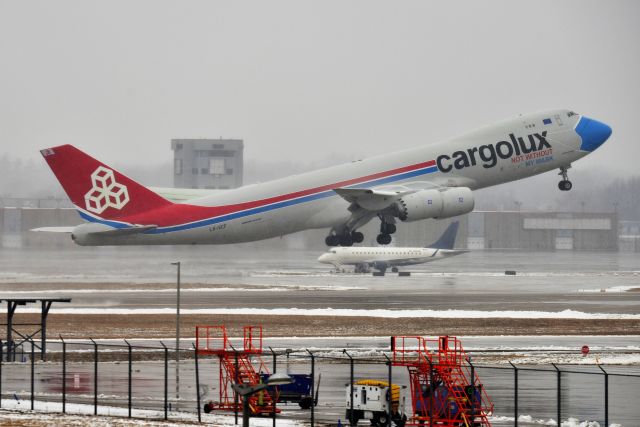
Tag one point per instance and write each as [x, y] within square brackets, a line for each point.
[371, 401]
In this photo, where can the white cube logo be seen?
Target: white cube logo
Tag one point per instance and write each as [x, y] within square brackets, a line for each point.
[106, 192]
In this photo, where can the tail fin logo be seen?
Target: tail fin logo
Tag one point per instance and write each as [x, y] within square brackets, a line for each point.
[106, 192]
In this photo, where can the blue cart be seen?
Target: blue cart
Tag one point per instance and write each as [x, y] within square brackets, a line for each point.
[299, 391]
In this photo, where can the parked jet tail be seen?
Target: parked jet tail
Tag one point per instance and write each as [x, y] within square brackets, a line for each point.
[96, 189]
[448, 238]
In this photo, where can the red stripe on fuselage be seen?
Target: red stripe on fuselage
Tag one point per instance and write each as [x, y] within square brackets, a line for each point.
[176, 214]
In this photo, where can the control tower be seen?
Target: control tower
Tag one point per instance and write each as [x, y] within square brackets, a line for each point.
[207, 163]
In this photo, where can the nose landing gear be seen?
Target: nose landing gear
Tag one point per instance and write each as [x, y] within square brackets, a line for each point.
[565, 184]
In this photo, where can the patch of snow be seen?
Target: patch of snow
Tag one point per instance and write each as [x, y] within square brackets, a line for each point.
[611, 289]
[382, 313]
[44, 410]
[569, 422]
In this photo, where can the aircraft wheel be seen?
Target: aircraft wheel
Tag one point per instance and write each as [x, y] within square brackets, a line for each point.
[305, 402]
[565, 185]
[357, 237]
[386, 228]
[346, 240]
[383, 239]
[332, 240]
[394, 269]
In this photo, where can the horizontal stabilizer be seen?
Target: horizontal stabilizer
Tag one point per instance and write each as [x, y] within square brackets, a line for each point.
[53, 229]
[124, 231]
[97, 229]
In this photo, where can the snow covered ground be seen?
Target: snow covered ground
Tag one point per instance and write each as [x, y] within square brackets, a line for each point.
[383, 313]
[527, 420]
[49, 413]
[18, 413]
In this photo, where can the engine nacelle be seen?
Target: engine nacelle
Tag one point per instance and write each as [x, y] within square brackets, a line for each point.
[438, 204]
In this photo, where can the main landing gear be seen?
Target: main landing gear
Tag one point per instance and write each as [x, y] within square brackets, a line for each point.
[386, 230]
[565, 184]
[344, 239]
[348, 238]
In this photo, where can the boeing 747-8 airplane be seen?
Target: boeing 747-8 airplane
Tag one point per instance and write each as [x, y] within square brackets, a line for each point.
[381, 257]
[432, 181]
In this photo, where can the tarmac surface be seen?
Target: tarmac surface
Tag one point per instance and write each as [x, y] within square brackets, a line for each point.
[604, 285]
[213, 277]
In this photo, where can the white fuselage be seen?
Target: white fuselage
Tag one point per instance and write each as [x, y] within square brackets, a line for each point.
[382, 255]
[478, 159]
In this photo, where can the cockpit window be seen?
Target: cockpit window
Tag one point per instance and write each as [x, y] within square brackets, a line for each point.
[571, 113]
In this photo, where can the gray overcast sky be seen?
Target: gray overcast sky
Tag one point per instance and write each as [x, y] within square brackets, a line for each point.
[302, 80]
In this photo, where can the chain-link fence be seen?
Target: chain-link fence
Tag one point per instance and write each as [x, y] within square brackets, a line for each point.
[153, 381]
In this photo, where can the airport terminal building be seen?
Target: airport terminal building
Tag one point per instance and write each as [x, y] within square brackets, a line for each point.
[481, 230]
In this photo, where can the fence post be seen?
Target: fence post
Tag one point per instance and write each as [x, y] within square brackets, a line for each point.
[235, 394]
[64, 375]
[559, 397]
[129, 376]
[606, 396]
[166, 381]
[33, 356]
[273, 414]
[390, 390]
[431, 391]
[95, 376]
[1, 359]
[473, 391]
[313, 387]
[195, 357]
[350, 386]
[515, 394]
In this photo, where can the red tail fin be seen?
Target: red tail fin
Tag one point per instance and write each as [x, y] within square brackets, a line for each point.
[97, 188]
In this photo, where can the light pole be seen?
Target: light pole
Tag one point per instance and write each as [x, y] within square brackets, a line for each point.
[245, 390]
[177, 264]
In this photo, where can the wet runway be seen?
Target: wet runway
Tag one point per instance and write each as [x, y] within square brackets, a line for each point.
[233, 278]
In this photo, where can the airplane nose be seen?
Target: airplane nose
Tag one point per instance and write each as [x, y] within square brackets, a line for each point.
[592, 132]
[322, 258]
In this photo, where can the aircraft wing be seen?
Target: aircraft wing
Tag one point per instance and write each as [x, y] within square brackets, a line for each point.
[406, 261]
[369, 199]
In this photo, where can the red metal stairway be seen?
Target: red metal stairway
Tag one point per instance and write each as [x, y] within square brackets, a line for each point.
[445, 391]
[236, 366]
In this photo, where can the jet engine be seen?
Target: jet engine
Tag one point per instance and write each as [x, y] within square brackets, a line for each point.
[437, 204]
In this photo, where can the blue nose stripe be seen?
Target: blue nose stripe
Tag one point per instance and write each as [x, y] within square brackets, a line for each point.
[592, 132]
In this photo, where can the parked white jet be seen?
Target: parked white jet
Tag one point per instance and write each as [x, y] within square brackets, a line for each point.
[381, 258]
[434, 181]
